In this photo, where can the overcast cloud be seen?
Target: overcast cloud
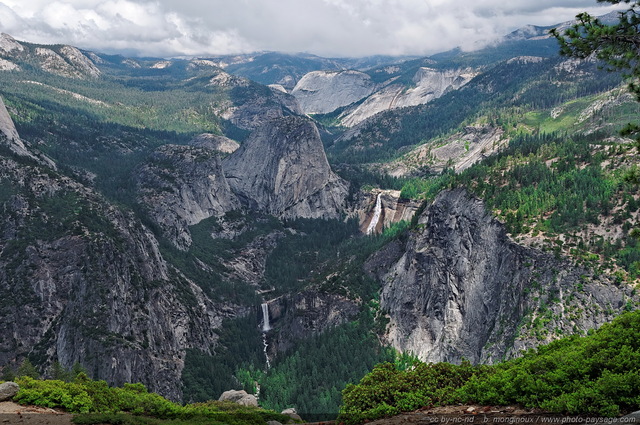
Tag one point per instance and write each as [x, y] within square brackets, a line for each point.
[324, 27]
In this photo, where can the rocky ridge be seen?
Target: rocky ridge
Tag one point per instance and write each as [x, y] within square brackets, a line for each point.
[66, 61]
[461, 288]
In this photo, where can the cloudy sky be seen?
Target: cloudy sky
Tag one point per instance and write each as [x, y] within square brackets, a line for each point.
[354, 28]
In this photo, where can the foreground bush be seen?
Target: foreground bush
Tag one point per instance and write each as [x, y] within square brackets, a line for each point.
[597, 374]
[388, 391]
[97, 402]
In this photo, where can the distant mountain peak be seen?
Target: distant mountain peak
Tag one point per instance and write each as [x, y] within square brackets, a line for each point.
[9, 44]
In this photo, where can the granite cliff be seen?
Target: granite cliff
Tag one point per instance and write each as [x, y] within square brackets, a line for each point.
[282, 170]
[85, 282]
[459, 287]
[427, 84]
[181, 186]
[320, 92]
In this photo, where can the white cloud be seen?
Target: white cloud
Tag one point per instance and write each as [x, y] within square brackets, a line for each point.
[324, 27]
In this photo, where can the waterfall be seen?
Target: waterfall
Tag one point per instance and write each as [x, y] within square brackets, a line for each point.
[376, 215]
[265, 318]
[264, 343]
[265, 328]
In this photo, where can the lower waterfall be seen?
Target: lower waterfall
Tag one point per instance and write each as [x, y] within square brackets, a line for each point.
[376, 215]
[265, 328]
[266, 345]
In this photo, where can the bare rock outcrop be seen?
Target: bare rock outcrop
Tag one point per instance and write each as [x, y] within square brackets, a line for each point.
[214, 142]
[429, 84]
[459, 152]
[282, 170]
[461, 288]
[9, 44]
[181, 186]
[321, 92]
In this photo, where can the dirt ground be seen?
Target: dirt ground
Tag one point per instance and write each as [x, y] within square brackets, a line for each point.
[491, 415]
[12, 413]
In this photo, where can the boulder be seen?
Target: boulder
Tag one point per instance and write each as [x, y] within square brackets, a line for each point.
[292, 413]
[240, 397]
[273, 423]
[8, 390]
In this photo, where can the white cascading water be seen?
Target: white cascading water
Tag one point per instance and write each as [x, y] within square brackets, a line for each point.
[265, 318]
[266, 355]
[376, 215]
[265, 328]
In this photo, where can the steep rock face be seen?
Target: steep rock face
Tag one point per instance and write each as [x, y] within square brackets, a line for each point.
[181, 186]
[12, 140]
[460, 288]
[299, 316]
[9, 130]
[321, 92]
[429, 83]
[282, 170]
[85, 282]
[104, 298]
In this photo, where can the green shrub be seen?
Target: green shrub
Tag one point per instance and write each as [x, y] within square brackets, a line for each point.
[388, 390]
[66, 395]
[598, 374]
[132, 404]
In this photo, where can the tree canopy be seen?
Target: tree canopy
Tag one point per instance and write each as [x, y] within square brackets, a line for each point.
[617, 44]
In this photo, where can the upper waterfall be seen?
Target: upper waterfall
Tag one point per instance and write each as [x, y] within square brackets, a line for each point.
[376, 215]
[265, 318]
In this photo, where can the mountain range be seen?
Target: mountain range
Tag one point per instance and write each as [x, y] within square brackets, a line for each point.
[158, 214]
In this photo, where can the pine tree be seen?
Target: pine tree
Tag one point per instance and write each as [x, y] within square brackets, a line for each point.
[617, 45]
[28, 369]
